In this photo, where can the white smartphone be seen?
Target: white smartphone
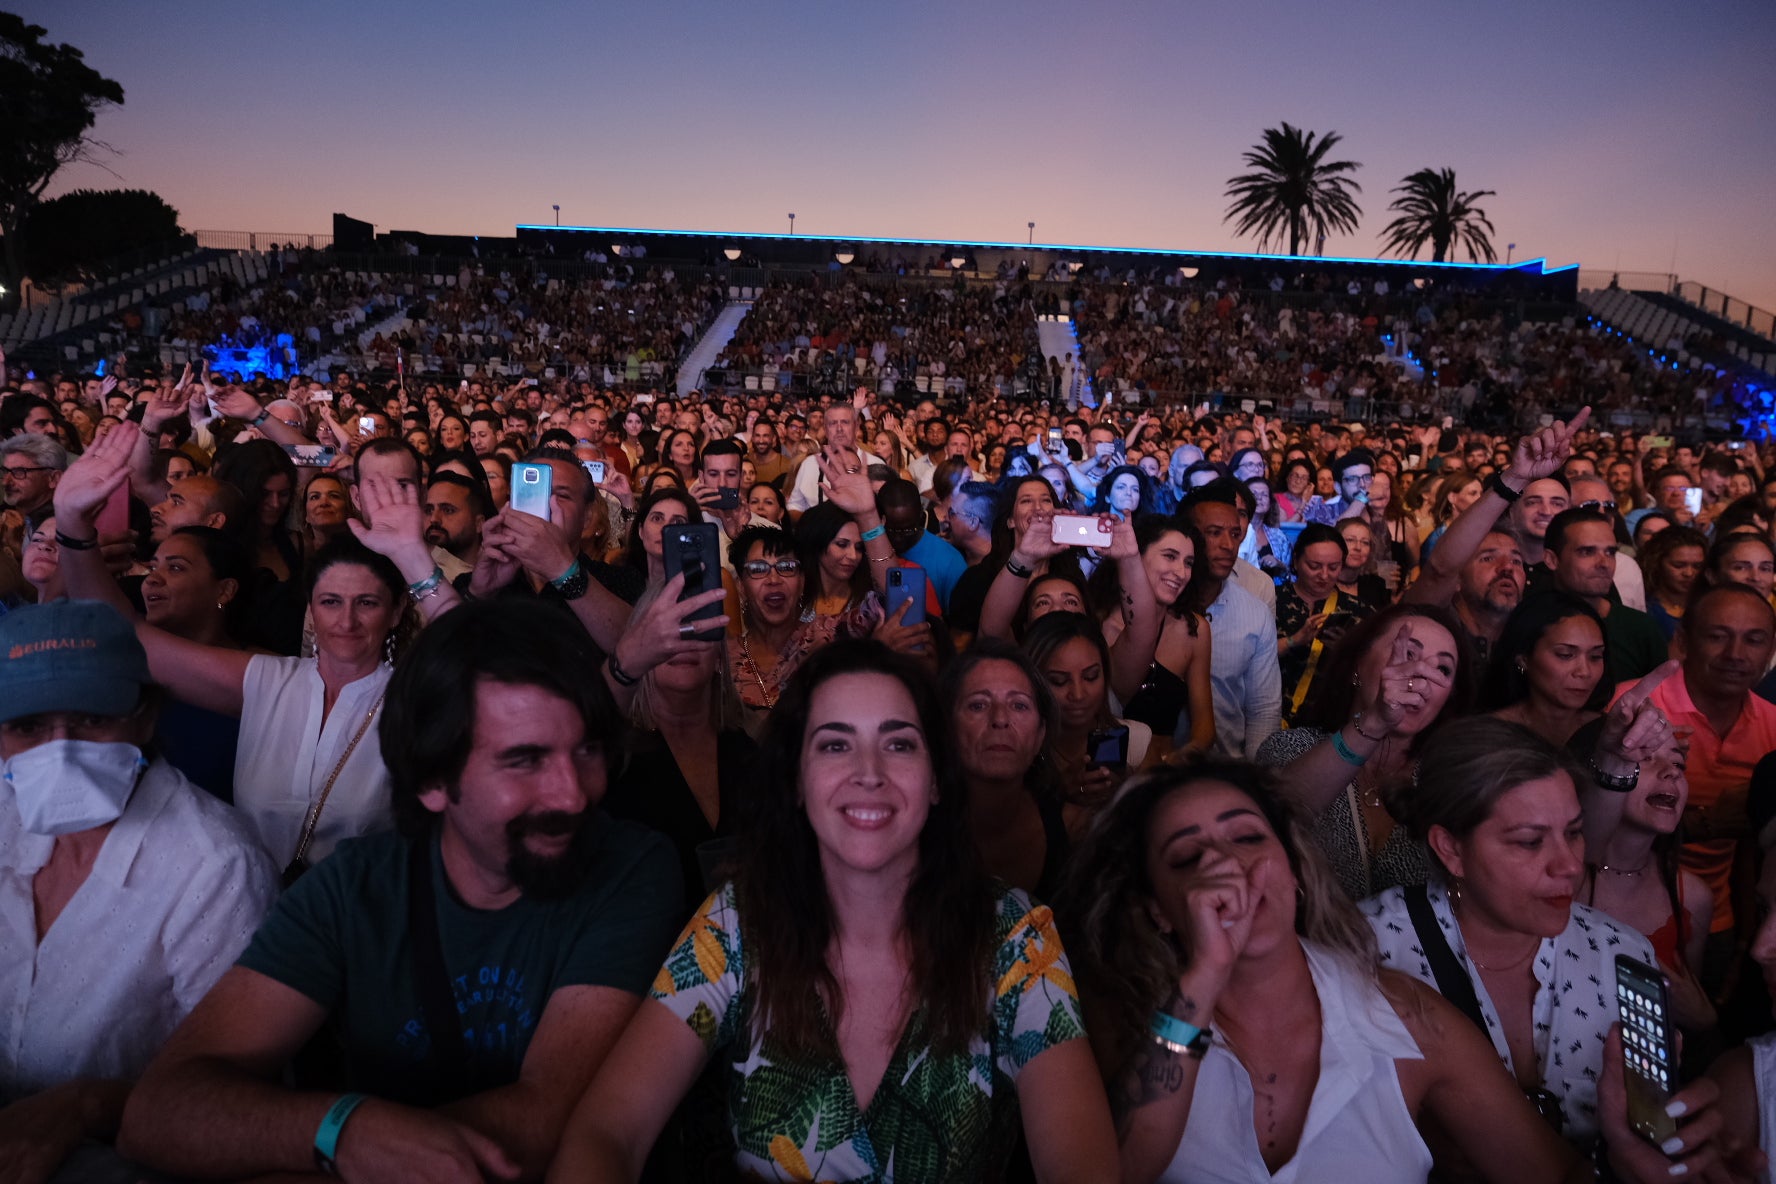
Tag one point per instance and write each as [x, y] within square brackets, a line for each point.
[1080, 530]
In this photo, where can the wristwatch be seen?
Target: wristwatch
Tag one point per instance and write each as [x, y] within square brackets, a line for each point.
[1496, 483]
[572, 583]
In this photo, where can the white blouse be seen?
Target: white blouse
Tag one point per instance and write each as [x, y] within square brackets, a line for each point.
[1575, 999]
[286, 755]
[1358, 1126]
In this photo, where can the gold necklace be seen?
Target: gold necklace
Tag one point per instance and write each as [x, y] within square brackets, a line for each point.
[757, 675]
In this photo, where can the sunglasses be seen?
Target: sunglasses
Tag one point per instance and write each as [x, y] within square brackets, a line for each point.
[758, 569]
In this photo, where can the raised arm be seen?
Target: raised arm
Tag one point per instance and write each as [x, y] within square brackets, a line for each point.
[1202, 694]
[160, 409]
[397, 530]
[1536, 457]
[848, 487]
[205, 676]
[1132, 655]
[238, 404]
[1634, 732]
[1006, 592]
[659, 630]
[543, 550]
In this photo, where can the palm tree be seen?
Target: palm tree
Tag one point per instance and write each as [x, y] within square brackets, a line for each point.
[1433, 211]
[1295, 189]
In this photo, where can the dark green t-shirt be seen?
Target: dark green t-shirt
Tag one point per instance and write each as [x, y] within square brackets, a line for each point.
[1633, 644]
[340, 937]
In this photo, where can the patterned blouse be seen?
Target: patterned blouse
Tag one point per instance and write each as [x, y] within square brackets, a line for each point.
[1343, 833]
[1575, 998]
[933, 1118]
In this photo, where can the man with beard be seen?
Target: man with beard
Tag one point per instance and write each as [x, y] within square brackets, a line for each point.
[453, 519]
[476, 966]
[1481, 560]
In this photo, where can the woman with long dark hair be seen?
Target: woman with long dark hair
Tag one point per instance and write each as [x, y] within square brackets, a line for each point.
[266, 477]
[880, 1006]
[1546, 672]
[1672, 560]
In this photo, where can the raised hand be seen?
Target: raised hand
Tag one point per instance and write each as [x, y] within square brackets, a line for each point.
[844, 480]
[236, 403]
[394, 524]
[902, 638]
[1122, 537]
[1037, 541]
[164, 406]
[1541, 454]
[1405, 683]
[93, 477]
[1635, 728]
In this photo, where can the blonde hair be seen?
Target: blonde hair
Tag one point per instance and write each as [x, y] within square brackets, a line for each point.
[725, 709]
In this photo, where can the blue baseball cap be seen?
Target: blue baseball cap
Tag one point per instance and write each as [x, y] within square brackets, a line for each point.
[71, 655]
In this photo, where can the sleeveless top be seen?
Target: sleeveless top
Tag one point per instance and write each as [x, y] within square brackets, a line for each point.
[1160, 702]
[1357, 1127]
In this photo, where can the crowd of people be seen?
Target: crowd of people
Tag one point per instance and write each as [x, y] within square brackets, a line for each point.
[544, 780]
[952, 337]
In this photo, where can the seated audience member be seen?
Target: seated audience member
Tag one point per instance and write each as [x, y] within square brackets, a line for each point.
[1243, 1027]
[1069, 651]
[860, 943]
[1725, 642]
[688, 762]
[1002, 711]
[1244, 675]
[1673, 560]
[1580, 553]
[477, 966]
[1496, 928]
[125, 892]
[1353, 751]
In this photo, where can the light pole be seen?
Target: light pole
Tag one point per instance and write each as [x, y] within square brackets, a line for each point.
[792, 225]
[557, 215]
[1032, 239]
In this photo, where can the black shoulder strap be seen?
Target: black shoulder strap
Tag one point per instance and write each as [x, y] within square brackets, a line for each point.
[1452, 982]
[431, 981]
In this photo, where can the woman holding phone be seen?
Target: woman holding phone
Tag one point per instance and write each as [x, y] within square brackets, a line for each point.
[1094, 750]
[879, 1006]
[1307, 605]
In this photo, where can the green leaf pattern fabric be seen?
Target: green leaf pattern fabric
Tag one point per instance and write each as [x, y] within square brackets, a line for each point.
[933, 1120]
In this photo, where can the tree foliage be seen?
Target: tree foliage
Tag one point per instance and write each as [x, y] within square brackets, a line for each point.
[49, 100]
[1432, 210]
[1294, 192]
[67, 237]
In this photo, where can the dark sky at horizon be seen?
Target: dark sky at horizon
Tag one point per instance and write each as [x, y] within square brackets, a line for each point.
[1618, 136]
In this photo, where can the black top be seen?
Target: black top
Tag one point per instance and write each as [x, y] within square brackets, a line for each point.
[1160, 701]
[653, 791]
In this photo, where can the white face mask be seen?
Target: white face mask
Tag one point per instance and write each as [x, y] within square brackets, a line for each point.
[65, 786]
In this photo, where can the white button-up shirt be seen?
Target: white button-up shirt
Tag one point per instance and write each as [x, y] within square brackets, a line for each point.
[1357, 1127]
[1243, 674]
[176, 892]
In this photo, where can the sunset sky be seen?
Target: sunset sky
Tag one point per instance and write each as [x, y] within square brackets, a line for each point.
[1618, 136]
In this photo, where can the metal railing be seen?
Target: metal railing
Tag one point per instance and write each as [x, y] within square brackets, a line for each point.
[1733, 311]
[1596, 279]
[260, 240]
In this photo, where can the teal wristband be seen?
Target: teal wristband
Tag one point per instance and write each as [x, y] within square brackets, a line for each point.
[1177, 1036]
[561, 580]
[326, 1144]
[1345, 752]
[874, 532]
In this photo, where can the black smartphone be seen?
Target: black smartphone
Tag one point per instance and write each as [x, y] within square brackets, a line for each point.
[906, 585]
[729, 498]
[1338, 622]
[694, 548]
[1107, 746]
[1649, 1049]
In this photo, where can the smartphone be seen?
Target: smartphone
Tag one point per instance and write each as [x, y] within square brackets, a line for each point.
[595, 470]
[1337, 622]
[316, 456]
[1649, 1049]
[694, 548]
[728, 498]
[320, 395]
[113, 517]
[1656, 442]
[1693, 499]
[1054, 439]
[530, 382]
[1080, 530]
[906, 585]
[1448, 422]
[532, 487]
[1107, 746]
[366, 426]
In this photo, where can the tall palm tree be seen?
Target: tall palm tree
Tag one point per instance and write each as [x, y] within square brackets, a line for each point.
[1433, 211]
[1295, 189]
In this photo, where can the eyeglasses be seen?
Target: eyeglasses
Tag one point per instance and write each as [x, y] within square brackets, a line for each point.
[20, 471]
[758, 569]
[1607, 507]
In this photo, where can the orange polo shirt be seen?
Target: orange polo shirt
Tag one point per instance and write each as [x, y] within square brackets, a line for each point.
[1719, 773]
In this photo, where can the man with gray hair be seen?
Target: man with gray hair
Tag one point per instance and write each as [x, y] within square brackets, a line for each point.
[841, 438]
[30, 466]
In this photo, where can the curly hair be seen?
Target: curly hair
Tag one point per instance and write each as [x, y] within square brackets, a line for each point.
[1127, 968]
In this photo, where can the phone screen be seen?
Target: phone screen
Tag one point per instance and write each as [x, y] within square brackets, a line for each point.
[1693, 499]
[1649, 1055]
[1108, 746]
